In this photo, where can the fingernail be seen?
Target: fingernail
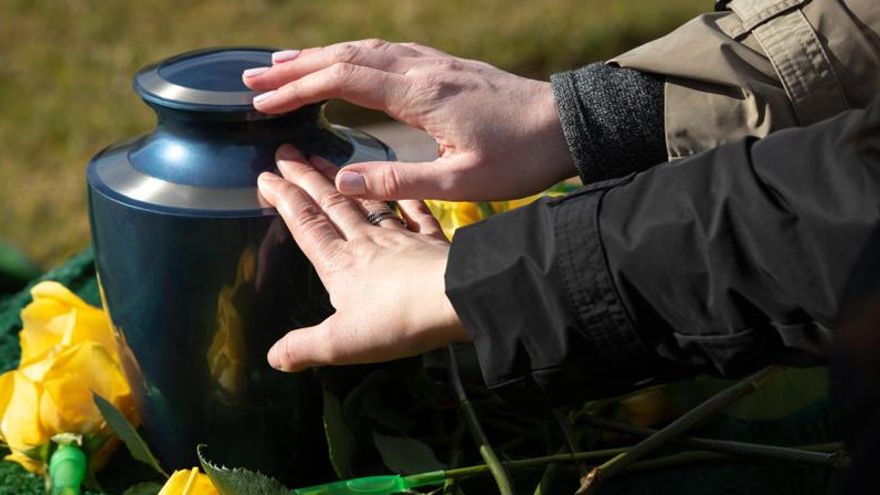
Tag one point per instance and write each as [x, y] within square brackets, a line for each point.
[284, 56]
[351, 183]
[271, 360]
[264, 96]
[256, 71]
[268, 179]
[288, 152]
[272, 357]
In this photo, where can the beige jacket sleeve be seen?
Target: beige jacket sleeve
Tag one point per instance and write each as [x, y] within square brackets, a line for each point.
[762, 66]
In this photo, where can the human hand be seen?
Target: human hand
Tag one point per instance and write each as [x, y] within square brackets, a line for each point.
[499, 134]
[385, 281]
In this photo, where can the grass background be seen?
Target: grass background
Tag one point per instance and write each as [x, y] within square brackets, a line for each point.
[66, 66]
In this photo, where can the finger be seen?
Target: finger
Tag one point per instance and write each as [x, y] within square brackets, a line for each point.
[310, 227]
[419, 218]
[362, 86]
[303, 348]
[388, 57]
[367, 206]
[444, 178]
[336, 342]
[341, 210]
[325, 166]
[393, 220]
[284, 56]
[425, 50]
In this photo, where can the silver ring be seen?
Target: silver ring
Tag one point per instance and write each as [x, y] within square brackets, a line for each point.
[375, 217]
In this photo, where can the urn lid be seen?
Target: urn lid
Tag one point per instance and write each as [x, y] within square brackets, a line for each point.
[210, 144]
[207, 80]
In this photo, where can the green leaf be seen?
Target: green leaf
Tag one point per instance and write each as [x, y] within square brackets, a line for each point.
[239, 481]
[128, 434]
[148, 488]
[96, 442]
[405, 455]
[40, 453]
[341, 442]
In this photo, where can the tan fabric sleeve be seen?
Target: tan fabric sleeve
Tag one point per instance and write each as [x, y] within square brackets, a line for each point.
[764, 66]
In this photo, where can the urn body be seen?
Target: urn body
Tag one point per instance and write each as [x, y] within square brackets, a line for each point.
[200, 276]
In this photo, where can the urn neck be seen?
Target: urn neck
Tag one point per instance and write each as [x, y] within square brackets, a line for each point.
[224, 150]
[239, 125]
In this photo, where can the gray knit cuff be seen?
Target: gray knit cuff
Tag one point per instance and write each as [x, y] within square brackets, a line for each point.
[612, 119]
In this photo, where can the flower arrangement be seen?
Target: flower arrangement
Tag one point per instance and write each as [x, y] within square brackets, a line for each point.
[68, 405]
[67, 353]
[48, 418]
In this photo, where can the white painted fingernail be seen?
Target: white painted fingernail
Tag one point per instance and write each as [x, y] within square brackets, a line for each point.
[264, 96]
[256, 71]
[284, 56]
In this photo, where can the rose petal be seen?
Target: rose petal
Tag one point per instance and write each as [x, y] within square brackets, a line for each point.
[57, 317]
[190, 482]
[20, 425]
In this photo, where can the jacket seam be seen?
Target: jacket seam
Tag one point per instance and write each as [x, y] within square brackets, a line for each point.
[602, 318]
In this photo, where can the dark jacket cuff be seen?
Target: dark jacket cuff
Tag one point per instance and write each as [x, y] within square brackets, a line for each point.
[533, 289]
[612, 119]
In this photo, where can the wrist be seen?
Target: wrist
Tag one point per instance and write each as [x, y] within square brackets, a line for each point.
[445, 312]
[553, 147]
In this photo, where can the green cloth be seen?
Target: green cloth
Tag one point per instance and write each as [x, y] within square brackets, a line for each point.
[810, 425]
[15, 269]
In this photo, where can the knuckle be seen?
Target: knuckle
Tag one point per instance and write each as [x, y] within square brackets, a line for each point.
[331, 199]
[391, 182]
[448, 64]
[346, 52]
[433, 86]
[307, 216]
[375, 43]
[340, 73]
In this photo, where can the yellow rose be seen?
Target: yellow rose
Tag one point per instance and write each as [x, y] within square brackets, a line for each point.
[455, 214]
[67, 352]
[190, 482]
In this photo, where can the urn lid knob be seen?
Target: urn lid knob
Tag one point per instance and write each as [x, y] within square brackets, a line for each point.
[206, 80]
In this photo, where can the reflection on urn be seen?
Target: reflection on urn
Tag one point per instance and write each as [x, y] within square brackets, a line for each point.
[226, 354]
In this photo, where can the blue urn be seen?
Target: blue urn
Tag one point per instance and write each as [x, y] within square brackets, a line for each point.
[200, 276]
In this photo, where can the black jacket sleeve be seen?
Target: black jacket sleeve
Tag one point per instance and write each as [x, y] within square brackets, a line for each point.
[720, 263]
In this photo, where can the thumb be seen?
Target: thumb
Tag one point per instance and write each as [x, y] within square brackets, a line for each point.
[305, 348]
[444, 178]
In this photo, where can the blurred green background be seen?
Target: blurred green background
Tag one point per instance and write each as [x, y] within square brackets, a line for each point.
[66, 66]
